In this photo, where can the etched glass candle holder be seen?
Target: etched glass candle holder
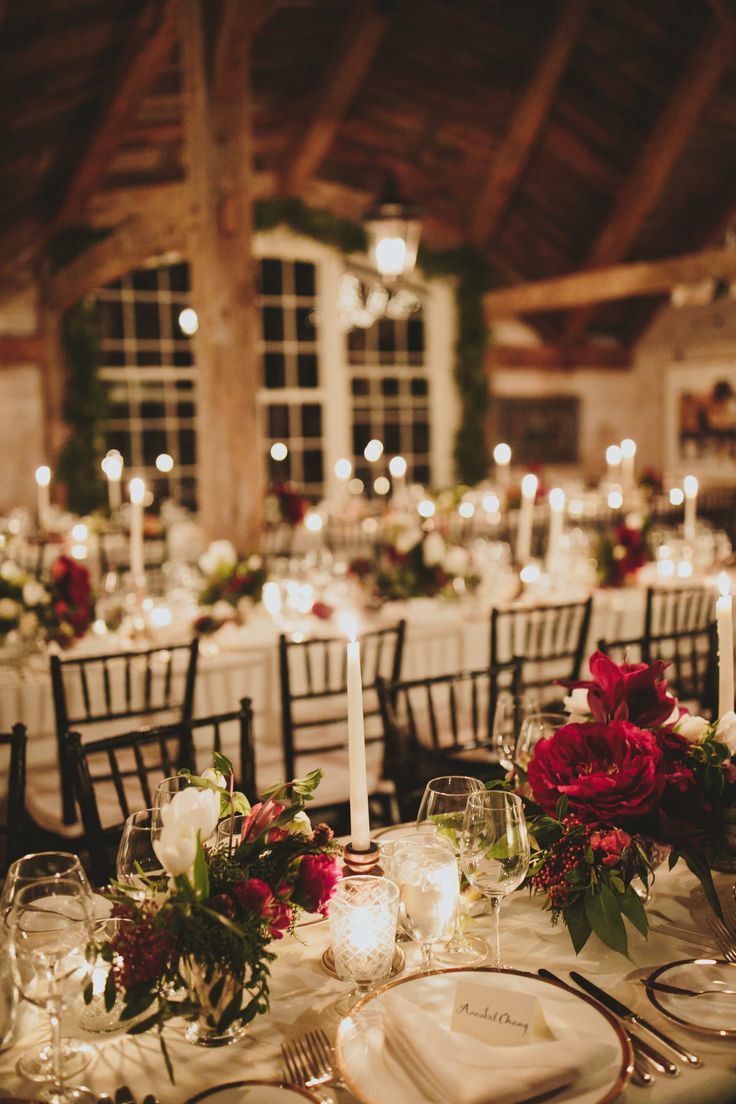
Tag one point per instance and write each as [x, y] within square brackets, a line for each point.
[363, 914]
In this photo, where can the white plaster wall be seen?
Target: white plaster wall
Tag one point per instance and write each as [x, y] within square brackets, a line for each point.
[21, 411]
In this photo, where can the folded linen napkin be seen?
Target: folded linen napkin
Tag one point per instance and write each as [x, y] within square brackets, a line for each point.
[447, 1066]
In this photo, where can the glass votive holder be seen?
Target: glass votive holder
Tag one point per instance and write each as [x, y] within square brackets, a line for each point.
[363, 916]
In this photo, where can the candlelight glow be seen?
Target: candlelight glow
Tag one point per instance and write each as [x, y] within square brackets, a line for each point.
[397, 467]
[724, 584]
[628, 447]
[557, 499]
[530, 573]
[576, 508]
[160, 617]
[279, 451]
[271, 598]
[112, 465]
[666, 568]
[502, 453]
[426, 508]
[43, 475]
[615, 499]
[164, 462]
[137, 490]
[466, 509]
[684, 569]
[382, 485]
[491, 503]
[348, 625]
[80, 531]
[677, 496]
[343, 469]
[313, 522]
[613, 455]
[355, 486]
[690, 486]
[373, 450]
[390, 256]
[188, 321]
[79, 551]
[529, 485]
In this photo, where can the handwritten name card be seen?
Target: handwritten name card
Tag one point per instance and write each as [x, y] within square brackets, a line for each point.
[498, 1016]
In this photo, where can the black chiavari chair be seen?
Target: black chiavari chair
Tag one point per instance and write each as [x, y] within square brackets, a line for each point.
[12, 809]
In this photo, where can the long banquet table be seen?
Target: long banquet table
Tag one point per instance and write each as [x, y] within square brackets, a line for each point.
[441, 637]
[303, 997]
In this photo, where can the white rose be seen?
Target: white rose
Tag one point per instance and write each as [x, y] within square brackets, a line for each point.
[300, 825]
[455, 561]
[693, 728]
[408, 539]
[175, 848]
[9, 610]
[433, 550]
[220, 553]
[576, 703]
[11, 572]
[674, 715]
[223, 611]
[34, 594]
[194, 810]
[726, 731]
[215, 777]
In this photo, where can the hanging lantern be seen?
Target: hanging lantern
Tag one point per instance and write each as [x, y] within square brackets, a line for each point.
[394, 229]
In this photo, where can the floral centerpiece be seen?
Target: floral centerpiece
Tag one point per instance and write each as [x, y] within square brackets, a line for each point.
[232, 585]
[206, 929]
[620, 554]
[415, 563]
[630, 779]
[284, 505]
[59, 609]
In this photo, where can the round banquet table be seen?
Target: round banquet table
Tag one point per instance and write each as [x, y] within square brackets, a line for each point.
[303, 997]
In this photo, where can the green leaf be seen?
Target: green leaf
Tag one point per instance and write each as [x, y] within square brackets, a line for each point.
[216, 990]
[88, 992]
[145, 1025]
[110, 991]
[562, 804]
[604, 914]
[578, 924]
[223, 764]
[201, 876]
[232, 1011]
[698, 864]
[136, 1003]
[634, 910]
[165, 1052]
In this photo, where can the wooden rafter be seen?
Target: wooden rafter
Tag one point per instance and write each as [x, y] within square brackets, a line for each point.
[18, 349]
[526, 124]
[239, 21]
[354, 53]
[625, 281]
[148, 49]
[653, 167]
[556, 356]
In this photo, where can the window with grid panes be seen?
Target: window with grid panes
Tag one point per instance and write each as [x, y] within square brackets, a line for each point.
[146, 363]
[291, 398]
[389, 386]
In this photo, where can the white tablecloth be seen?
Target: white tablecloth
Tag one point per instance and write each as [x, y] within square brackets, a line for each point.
[303, 997]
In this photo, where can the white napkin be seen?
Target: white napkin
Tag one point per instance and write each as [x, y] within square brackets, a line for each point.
[447, 1066]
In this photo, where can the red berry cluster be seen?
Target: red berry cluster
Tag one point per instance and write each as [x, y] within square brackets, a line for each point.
[563, 857]
[140, 950]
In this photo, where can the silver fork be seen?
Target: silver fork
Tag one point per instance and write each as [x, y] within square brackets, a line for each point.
[726, 941]
[308, 1060]
[730, 909]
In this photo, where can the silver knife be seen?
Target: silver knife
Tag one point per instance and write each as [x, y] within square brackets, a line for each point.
[630, 1016]
[642, 1049]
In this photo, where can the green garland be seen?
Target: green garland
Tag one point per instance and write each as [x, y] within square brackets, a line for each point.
[465, 264]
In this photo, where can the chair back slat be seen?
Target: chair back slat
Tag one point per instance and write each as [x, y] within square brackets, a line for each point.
[12, 826]
[550, 640]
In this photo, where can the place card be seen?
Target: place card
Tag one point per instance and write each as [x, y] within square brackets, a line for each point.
[497, 1016]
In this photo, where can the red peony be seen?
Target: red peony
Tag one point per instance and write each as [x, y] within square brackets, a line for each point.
[256, 896]
[316, 880]
[628, 691]
[612, 844]
[607, 771]
[72, 592]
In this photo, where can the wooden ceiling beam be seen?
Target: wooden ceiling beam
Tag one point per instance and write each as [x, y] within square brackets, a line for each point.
[527, 122]
[146, 53]
[558, 357]
[239, 21]
[16, 349]
[353, 56]
[648, 179]
[625, 281]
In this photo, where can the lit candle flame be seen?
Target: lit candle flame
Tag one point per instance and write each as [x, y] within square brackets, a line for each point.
[529, 485]
[348, 624]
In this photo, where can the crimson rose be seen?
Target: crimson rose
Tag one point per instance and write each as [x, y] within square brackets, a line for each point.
[607, 771]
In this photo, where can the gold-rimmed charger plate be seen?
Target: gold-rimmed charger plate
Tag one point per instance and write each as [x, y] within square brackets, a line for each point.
[711, 1015]
[255, 1092]
[395, 831]
[360, 1048]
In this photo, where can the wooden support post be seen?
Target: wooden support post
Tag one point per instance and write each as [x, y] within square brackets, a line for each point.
[53, 382]
[219, 160]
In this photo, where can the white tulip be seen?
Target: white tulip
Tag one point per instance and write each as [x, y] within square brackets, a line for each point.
[692, 728]
[408, 539]
[300, 825]
[215, 777]
[220, 553]
[193, 810]
[576, 703]
[175, 848]
[434, 550]
[726, 731]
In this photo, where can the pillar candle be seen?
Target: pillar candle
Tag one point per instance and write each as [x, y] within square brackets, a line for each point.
[397, 471]
[360, 830]
[724, 622]
[502, 460]
[112, 466]
[43, 498]
[613, 463]
[690, 487]
[526, 518]
[628, 460]
[137, 494]
[556, 518]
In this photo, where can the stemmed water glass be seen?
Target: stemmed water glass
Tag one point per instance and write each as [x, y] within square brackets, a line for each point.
[42, 866]
[511, 711]
[534, 727]
[425, 870]
[494, 851]
[137, 861]
[441, 812]
[49, 927]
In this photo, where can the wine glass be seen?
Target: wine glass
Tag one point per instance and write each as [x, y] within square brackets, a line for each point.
[425, 870]
[37, 867]
[441, 812]
[49, 926]
[535, 727]
[137, 862]
[363, 912]
[511, 710]
[167, 789]
[494, 851]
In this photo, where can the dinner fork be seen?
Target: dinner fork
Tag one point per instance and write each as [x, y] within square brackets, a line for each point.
[726, 941]
[308, 1059]
[680, 991]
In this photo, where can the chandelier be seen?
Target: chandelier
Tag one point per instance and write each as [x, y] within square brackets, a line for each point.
[393, 230]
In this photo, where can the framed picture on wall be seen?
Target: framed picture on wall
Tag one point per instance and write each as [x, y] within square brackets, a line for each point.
[702, 420]
[540, 430]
